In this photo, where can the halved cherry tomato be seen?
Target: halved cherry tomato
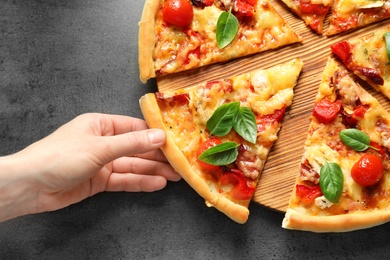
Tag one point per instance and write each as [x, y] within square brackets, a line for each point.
[241, 190]
[178, 12]
[308, 194]
[368, 170]
[326, 111]
[343, 50]
[203, 147]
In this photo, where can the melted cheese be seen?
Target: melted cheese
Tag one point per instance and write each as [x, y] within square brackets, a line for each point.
[174, 45]
[187, 124]
[347, 6]
[370, 52]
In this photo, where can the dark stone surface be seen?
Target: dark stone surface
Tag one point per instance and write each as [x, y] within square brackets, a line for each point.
[61, 58]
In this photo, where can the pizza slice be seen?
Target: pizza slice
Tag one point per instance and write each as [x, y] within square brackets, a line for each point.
[352, 14]
[344, 178]
[219, 133]
[312, 12]
[178, 35]
[368, 57]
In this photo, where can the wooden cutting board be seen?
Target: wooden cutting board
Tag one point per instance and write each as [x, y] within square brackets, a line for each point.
[279, 173]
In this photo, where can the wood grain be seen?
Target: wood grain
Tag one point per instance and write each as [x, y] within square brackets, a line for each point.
[279, 173]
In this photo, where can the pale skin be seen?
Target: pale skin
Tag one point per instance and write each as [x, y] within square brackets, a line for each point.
[90, 154]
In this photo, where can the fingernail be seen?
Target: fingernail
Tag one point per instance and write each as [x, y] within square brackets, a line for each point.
[156, 136]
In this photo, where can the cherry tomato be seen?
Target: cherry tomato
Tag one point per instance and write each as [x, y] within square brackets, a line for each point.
[326, 111]
[178, 12]
[368, 170]
[307, 194]
[203, 147]
[241, 190]
[343, 50]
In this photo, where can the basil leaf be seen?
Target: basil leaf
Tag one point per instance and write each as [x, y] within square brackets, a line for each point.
[387, 43]
[227, 28]
[222, 120]
[331, 181]
[245, 124]
[355, 139]
[221, 154]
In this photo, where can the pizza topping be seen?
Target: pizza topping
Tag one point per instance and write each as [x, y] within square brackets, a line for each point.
[368, 170]
[245, 7]
[202, 3]
[203, 147]
[352, 120]
[227, 28]
[248, 162]
[310, 8]
[326, 111]
[231, 115]
[178, 12]
[308, 173]
[307, 194]
[322, 202]
[241, 190]
[387, 42]
[220, 154]
[222, 120]
[342, 50]
[355, 139]
[264, 120]
[370, 74]
[331, 181]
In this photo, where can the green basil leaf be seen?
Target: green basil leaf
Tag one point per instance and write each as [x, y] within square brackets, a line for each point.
[227, 28]
[222, 154]
[245, 124]
[331, 181]
[222, 120]
[387, 43]
[355, 139]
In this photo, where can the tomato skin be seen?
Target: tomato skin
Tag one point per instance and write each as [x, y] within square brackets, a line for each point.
[368, 170]
[203, 147]
[343, 50]
[307, 194]
[241, 190]
[178, 12]
[326, 111]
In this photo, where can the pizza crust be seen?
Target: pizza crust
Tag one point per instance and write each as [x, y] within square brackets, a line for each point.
[179, 162]
[146, 40]
[336, 223]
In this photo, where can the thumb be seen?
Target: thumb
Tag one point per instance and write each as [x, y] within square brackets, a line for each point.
[131, 143]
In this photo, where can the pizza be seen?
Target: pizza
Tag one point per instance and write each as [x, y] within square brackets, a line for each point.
[178, 35]
[344, 178]
[352, 14]
[368, 57]
[313, 13]
[219, 133]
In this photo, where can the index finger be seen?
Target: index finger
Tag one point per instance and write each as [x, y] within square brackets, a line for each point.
[119, 124]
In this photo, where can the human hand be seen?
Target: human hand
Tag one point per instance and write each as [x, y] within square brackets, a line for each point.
[90, 154]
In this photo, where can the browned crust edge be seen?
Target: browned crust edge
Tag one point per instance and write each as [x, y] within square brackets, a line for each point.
[337, 223]
[147, 39]
[152, 116]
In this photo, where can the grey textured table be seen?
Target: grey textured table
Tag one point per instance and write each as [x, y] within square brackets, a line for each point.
[61, 58]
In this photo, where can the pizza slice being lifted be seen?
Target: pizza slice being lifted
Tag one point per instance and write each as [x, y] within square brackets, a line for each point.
[344, 178]
[219, 133]
[178, 35]
[368, 57]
